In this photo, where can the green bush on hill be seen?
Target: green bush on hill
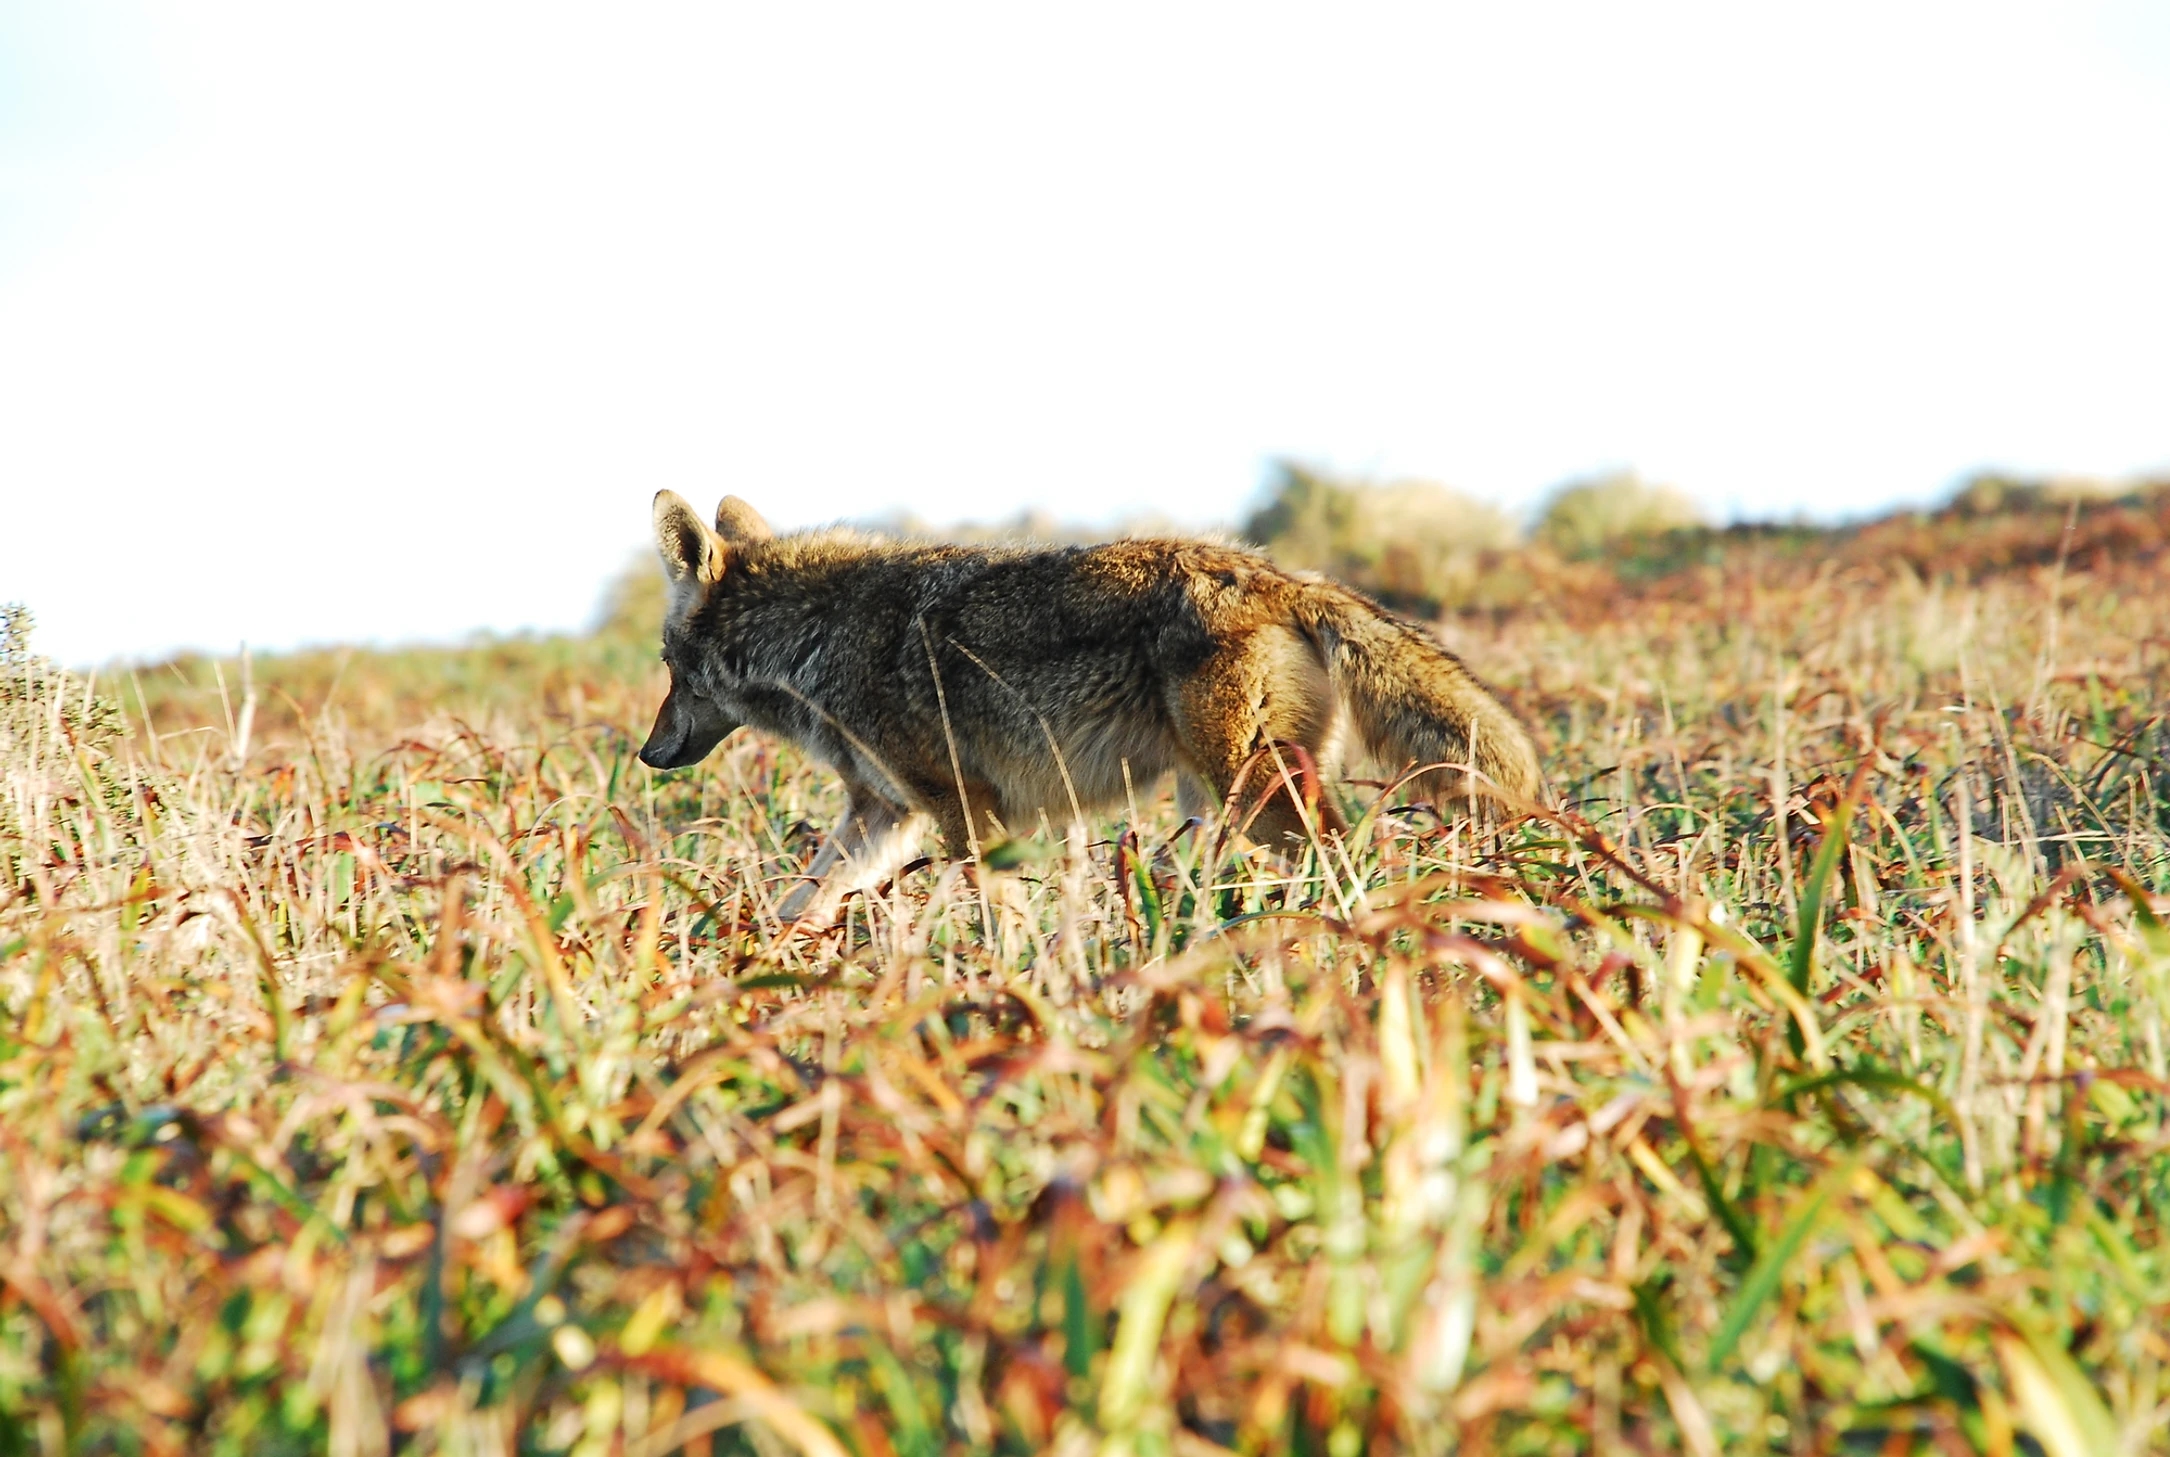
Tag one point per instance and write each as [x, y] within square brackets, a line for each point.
[1412, 544]
[1590, 518]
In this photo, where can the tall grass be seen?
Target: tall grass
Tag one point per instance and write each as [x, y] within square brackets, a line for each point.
[444, 1083]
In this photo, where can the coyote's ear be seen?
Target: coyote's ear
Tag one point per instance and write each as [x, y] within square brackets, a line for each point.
[692, 556]
[737, 522]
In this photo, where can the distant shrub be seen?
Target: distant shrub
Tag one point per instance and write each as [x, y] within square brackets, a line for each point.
[1412, 544]
[1030, 527]
[632, 605]
[1994, 493]
[1591, 518]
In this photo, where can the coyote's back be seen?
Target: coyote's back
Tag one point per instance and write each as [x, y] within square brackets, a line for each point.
[983, 688]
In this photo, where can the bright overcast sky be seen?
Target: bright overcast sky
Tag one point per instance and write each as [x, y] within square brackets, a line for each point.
[385, 321]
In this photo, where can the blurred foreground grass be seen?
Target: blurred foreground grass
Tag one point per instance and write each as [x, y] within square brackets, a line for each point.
[389, 1062]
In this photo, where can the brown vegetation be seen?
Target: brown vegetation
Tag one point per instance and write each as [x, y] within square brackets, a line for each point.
[413, 1068]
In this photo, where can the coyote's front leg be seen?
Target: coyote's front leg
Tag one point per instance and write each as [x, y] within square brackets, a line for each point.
[867, 846]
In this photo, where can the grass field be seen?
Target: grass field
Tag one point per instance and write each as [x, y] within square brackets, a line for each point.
[389, 1062]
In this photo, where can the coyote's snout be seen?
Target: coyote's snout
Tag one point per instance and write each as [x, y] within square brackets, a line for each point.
[687, 727]
[982, 688]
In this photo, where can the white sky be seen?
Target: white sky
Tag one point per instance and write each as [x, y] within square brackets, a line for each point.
[384, 322]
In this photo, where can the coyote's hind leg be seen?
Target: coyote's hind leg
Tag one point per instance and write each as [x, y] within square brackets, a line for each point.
[1242, 716]
[869, 845]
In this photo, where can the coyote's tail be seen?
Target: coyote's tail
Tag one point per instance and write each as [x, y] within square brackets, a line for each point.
[1414, 702]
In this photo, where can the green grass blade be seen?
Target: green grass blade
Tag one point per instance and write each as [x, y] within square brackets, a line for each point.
[1764, 1275]
[1802, 968]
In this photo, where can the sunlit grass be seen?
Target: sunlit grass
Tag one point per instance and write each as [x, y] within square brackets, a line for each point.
[419, 1071]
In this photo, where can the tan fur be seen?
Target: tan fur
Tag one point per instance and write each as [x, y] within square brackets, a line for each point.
[980, 689]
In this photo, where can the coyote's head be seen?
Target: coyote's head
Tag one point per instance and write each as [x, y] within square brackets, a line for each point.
[697, 712]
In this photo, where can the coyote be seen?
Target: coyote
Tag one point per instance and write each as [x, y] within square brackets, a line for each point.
[980, 688]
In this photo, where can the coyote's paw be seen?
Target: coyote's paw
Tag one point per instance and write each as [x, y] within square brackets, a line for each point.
[802, 905]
